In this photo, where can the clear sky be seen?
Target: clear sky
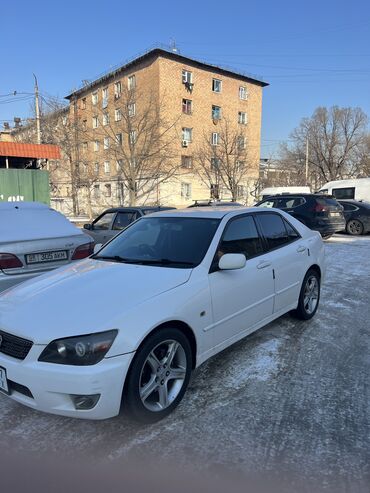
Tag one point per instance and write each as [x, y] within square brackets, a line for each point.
[313, 53]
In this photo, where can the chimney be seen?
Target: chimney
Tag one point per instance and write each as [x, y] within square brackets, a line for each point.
[6, 126]
[17, 122]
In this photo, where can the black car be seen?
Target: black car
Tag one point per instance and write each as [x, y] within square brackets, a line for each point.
[317, 211]
[357, 215]
[112, 221]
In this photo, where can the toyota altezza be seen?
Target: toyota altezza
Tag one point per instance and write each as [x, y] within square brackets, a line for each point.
[126, 326]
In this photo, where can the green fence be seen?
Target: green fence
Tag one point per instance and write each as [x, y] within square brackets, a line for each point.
[29, 185]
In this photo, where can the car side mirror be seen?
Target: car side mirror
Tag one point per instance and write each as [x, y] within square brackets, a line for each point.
[232, 261]
[88, 226]
[97, 247]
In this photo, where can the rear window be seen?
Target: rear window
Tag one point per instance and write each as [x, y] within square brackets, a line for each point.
[326, 201]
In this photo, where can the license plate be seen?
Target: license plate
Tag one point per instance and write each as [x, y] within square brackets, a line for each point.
[3, 381]
[37, 258]
[336, 214]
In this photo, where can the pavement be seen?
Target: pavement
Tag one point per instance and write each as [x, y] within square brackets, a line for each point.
[290, 401]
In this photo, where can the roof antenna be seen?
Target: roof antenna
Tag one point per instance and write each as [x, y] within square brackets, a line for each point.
[173, 46]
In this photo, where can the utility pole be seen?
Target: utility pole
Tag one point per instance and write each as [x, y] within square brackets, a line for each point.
[306, 160]
[37, 111]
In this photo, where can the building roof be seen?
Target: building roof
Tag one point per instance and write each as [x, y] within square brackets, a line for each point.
[38, 151]
[157, 52]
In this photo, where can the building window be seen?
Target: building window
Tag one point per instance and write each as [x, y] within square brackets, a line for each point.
[95, 122]
[84, 146]
[108, 190]
[96, 168]
[105, 119]
[215, 140]
[95, 98]
[216, 85]
[186, 162]
[96, 145]
[241, 142]
[106, 143]
[106, 167]
[215, 191]
[216, 112]
[119, 139]
[83, 103]
[132, 137]
[120, 192]
[187, 77]
[84, 124]
[64, 120]
[131, 107]
[187, 134]
[117, 115]
[215, 164]
[96, 191]
[240, 191]
[243, 94]
[119, 164]
[186, 190]
[242, 117]
[105, 97]
[117, 89]
[187, 106]
[131, 82]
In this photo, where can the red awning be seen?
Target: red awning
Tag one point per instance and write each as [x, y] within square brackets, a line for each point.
[38, 151]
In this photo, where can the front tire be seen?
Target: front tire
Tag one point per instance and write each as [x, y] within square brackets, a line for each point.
[158, 376]
[309, 296]
[355, 227]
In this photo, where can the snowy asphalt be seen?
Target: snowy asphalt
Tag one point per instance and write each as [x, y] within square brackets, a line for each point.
[292, 399]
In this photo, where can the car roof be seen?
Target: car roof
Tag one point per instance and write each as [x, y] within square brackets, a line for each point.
[299, 194]
[8, 206]
[138, 208]
[217, 212]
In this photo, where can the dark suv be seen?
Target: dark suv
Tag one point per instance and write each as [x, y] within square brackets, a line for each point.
[112, 221]
[317, 211]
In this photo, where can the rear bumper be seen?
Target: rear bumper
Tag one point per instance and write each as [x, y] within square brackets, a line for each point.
[48, 387]
[329, 227]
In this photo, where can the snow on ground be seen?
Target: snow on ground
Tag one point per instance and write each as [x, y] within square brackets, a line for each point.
[292, 399]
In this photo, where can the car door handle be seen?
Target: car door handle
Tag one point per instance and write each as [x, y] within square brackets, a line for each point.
[301, 249]
[263, 265]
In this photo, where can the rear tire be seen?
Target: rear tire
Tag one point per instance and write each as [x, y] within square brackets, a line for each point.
[309, 296]
[326, 237]
[158, 376]
[355, 227]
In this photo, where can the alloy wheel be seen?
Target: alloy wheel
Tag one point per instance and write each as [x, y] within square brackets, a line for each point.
[354, 227]
[311, 295]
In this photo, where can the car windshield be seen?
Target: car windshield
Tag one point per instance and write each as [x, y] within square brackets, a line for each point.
[179, 242]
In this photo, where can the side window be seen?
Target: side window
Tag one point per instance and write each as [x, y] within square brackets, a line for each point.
[292, 233]
[104, 221]
[267, 203]
[289, 202]
[344, 193]
[123, 219]
[241, 236]
[348, 207]
[274, 230]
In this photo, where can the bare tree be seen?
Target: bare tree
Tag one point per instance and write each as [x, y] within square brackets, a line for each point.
[225, 159]
[334, 137]
[140, 141]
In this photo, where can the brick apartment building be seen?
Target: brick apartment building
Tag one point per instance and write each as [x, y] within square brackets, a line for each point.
[142, 130]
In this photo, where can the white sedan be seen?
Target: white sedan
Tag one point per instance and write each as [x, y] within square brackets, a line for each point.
[35, 239]
[129, 324]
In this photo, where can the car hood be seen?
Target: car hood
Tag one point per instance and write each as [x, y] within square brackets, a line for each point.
[82, 298]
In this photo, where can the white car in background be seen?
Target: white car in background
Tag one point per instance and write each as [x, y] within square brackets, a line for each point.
[35, 239]
[170, 291]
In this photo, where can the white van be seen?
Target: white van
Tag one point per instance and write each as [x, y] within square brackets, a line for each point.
[355, 189]
[267, 192]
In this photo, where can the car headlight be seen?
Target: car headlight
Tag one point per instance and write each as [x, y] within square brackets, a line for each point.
[81, 350]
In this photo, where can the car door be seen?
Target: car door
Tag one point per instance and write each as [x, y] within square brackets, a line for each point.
[289, 256]
[101, 227]
[240, 298]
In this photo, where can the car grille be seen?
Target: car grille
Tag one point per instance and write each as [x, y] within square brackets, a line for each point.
[14, 346]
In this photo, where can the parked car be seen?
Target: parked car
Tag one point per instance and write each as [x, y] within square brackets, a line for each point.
[353, 189]
[35, 239]
[167, 293]
[114, 220]
[214, 203]
[357, 215]
[317, 211]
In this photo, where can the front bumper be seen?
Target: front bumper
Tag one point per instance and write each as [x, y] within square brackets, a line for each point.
[52, 385]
